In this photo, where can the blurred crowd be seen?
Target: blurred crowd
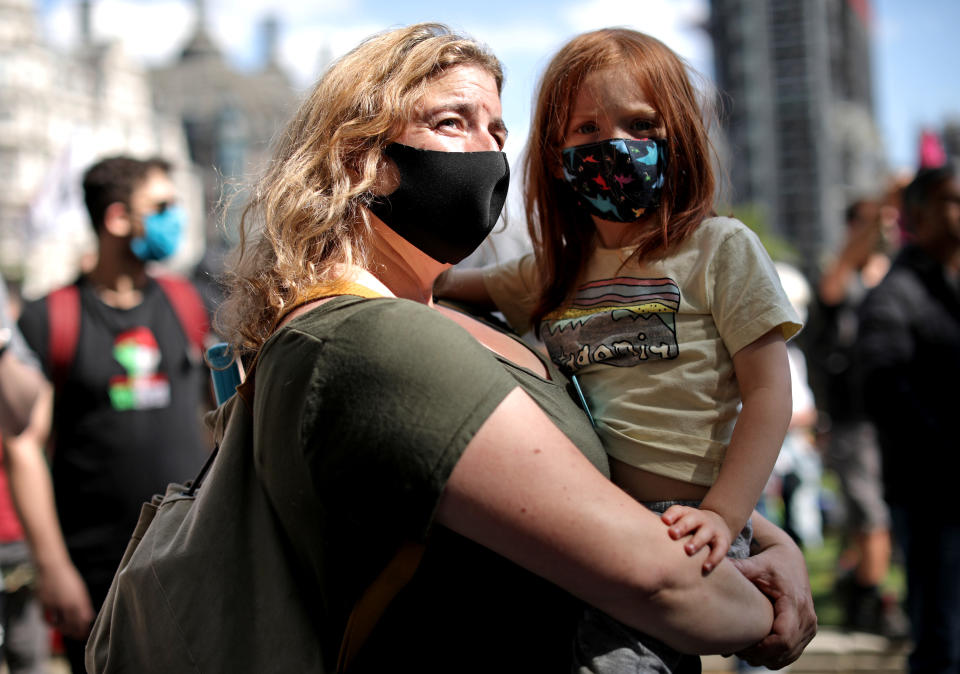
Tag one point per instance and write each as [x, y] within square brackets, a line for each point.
[873, 441]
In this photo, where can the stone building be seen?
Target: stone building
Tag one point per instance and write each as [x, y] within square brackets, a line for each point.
[799, 120]
[60, 112]
[230, 116]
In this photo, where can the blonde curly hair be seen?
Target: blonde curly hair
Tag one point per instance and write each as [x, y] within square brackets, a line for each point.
[305, 222]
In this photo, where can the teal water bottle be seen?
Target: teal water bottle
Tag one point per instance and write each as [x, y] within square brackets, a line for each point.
[224, 370]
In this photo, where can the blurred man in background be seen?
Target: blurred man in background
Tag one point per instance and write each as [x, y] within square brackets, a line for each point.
[123, 350]
[852, 451]
[909, 345]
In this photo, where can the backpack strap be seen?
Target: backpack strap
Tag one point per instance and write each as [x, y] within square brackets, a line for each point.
[401, 568]
[188, 306]
[375, 600]
[63, 319]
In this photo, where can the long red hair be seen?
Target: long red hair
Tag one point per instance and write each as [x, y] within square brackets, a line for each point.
[563, 238]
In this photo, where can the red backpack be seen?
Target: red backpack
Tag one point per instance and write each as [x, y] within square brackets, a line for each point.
[63, 314]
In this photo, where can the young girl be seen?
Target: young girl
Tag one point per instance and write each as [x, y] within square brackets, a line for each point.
[669, 318]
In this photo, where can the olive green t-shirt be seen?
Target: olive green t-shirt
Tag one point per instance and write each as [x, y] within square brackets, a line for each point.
[362, 409]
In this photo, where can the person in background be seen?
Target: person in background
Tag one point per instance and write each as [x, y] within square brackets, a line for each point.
[851, 451]
[129, 382]
[909, 350]
[384, 418]
[21, 379]
[798, 468]
[24, 637]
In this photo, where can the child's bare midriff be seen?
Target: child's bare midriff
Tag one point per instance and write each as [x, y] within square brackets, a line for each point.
[646, 486]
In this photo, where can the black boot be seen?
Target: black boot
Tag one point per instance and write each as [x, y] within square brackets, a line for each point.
[868, 611]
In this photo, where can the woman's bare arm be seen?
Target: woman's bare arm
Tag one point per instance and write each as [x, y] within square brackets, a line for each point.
[523, 490]
[777, 567]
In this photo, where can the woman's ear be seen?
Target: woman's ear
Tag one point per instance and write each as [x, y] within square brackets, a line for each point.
[116, 220]
[388, 178]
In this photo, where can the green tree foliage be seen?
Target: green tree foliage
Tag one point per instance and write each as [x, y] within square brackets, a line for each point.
[754, 217]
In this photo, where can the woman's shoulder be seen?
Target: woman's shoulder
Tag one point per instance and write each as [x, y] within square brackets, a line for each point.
[376, 318]
[363, 333]
[346, 309]
[396, 360]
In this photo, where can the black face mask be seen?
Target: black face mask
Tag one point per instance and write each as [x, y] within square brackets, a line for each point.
[447, 202]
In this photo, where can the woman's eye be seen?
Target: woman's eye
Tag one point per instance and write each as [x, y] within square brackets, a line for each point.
[450, 122]
[642, 125]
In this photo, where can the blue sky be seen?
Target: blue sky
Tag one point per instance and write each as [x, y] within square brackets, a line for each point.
[916, 62]
[915, 49]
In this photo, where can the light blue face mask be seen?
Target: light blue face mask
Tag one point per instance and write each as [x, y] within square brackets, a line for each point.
[161, 235]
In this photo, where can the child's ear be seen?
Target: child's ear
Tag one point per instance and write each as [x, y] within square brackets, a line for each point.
[116, 220]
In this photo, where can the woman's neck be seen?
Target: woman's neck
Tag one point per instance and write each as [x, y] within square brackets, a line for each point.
[402, 268]
[386, 280]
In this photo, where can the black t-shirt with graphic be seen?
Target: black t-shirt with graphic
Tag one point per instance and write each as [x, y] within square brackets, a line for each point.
[126, 420]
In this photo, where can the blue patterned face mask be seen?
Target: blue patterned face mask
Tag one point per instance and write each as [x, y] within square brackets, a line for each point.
[616, 179]
[161, 235]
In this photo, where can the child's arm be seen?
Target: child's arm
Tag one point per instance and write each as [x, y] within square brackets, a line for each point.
[464, 285]
[763, 374]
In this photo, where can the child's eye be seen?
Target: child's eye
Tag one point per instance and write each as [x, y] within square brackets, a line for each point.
[642, 125]
[587, 128]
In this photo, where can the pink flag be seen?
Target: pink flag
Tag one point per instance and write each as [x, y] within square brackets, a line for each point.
[932, 154]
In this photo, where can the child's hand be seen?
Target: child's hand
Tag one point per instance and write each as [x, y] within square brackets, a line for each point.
[707, 527]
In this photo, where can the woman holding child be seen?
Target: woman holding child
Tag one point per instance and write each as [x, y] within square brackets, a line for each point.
[395, 421]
